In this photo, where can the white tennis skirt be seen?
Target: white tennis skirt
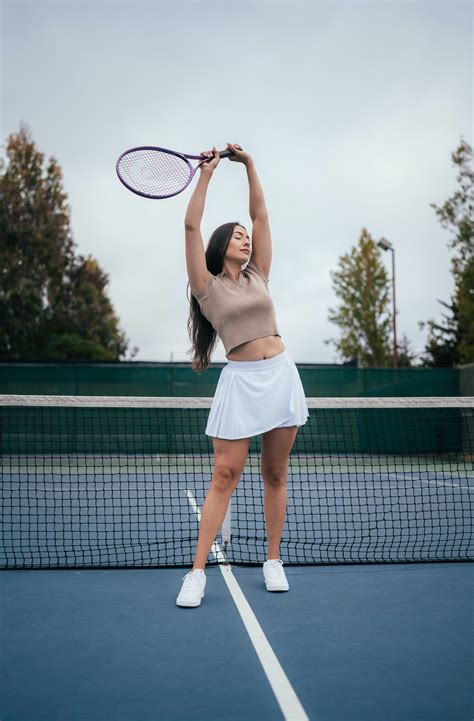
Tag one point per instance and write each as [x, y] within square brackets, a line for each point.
[253, 397]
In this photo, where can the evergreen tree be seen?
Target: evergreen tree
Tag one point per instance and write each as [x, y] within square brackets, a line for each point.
[451, 342]
[363, 316]
[53, 303]
[406, 357]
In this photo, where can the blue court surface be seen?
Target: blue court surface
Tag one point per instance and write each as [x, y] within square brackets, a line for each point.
[381, 642]
[100, 505]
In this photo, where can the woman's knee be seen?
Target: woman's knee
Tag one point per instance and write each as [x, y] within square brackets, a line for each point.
[229, 460]
[225, 477]
[274, 475]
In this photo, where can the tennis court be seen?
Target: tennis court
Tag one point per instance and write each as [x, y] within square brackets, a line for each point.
[101, 501]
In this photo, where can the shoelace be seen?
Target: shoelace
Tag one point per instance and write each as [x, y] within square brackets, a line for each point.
[192, 580]
[275, 567]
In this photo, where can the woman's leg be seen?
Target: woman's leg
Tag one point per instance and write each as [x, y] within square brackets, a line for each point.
[229, 461]
[276, 447]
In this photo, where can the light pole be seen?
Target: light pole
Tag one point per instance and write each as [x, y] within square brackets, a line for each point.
[386, 245]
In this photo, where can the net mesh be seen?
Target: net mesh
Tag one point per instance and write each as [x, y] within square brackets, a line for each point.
[116, 481]
[155, 173]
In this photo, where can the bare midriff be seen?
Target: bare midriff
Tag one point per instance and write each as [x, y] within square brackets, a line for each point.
[258, 349]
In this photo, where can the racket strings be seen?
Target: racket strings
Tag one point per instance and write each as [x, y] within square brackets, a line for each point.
[154, 172]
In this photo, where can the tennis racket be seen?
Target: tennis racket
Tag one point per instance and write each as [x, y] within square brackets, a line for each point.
[159, 172]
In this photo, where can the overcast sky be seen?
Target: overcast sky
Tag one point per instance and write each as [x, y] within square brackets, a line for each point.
[350, 110]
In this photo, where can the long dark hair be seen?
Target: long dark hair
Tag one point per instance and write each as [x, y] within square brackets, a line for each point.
[203, 336]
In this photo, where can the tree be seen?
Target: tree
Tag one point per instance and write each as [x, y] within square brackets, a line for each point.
[81, 303]
[451, 342]
[53, 303]
[406, 357]
[364, 313]
[465, 303]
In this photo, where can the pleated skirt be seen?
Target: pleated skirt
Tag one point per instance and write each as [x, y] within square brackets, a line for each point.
[253, 397]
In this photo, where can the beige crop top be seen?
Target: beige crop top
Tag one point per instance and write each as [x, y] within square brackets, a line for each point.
[238, 312]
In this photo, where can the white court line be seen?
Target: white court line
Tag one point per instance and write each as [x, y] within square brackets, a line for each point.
[284, 692]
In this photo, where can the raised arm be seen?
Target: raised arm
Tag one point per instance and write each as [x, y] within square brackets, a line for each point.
[195, 255]
[261, 237]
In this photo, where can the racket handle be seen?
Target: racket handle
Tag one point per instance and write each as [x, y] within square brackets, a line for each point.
[226, 153]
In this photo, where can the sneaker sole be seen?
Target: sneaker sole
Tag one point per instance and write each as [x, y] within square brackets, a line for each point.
[189, 604]
[277, 588]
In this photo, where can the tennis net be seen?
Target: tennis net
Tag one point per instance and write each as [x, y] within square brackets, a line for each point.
[120, 481]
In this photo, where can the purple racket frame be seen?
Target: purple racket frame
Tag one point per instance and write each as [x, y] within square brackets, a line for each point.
[185, 156]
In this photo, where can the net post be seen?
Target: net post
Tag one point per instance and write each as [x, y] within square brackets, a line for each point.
[226, 528]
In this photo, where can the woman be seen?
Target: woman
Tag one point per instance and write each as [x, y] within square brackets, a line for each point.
[259, 390]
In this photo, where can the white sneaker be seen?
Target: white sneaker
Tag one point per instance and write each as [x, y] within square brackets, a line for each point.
[275, 579]
[192, 589]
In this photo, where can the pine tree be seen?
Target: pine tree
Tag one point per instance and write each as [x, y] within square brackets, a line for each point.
[406, 357]
[451, 342]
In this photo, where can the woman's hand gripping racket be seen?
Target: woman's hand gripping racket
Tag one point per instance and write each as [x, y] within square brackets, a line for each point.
[159, 172]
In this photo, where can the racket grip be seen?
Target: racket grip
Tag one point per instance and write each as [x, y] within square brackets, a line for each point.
[226, 153]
